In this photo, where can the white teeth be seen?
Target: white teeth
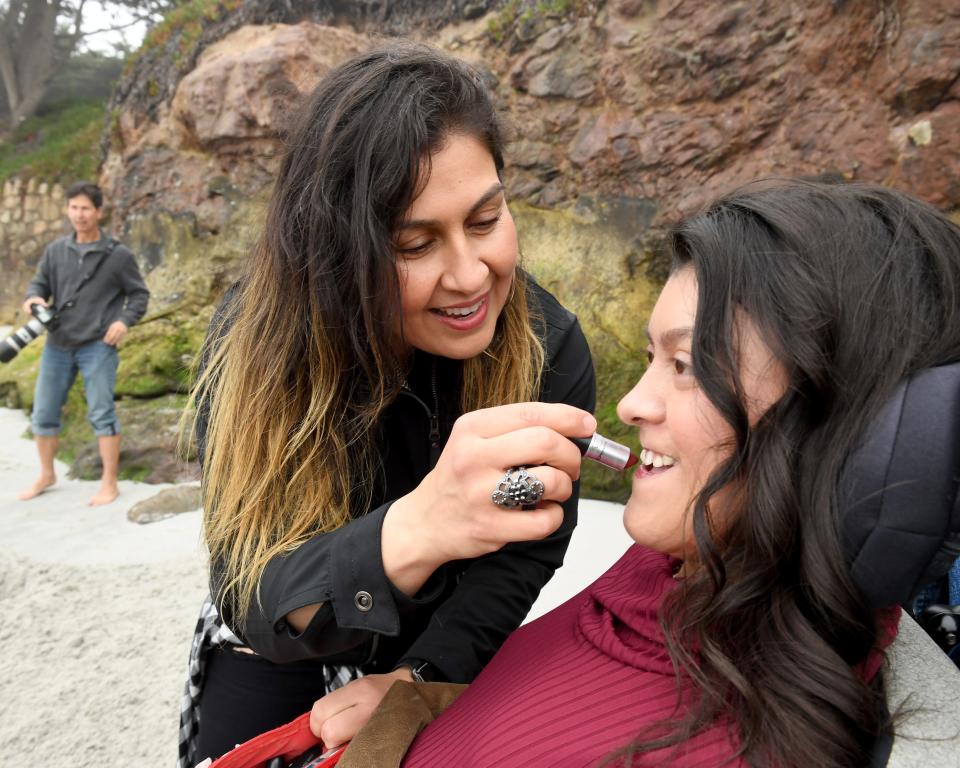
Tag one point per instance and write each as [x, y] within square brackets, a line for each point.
[461, 311]
[656, 460]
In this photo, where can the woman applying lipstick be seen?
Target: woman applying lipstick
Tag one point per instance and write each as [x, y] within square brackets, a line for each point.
[382, 372]
[746, 626]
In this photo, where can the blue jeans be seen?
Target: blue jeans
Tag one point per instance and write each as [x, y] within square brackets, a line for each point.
[97, 363]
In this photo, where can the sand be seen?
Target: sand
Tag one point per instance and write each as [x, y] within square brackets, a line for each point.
[98, 614]
[97, 617]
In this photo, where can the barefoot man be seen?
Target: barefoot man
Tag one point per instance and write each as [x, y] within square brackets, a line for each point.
[95, 286]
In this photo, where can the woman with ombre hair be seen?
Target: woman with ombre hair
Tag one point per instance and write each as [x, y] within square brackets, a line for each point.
[381, 372]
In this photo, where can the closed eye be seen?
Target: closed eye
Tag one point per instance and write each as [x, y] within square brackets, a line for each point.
[485, 225]
[412, 251]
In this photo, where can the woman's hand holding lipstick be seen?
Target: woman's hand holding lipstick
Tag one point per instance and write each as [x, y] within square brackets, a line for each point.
[450, 515]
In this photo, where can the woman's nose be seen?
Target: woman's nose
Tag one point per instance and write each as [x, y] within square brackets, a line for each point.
[643, 403]
[465, 269]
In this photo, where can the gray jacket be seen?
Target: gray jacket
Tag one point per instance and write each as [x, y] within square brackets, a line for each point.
[89, 291]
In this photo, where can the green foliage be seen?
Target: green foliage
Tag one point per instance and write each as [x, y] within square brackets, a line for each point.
[63, 144]
[527, 13]
[184, 25]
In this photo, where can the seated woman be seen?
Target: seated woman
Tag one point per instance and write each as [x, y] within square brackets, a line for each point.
[732, 632]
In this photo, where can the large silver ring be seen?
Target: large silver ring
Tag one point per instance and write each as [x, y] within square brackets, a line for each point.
[518, 488]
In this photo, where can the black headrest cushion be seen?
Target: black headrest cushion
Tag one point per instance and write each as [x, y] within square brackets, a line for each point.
[898, 505]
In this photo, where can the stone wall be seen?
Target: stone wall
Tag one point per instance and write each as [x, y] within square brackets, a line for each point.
[31, 215]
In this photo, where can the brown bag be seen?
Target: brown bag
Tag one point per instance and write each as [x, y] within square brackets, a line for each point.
[406, 710]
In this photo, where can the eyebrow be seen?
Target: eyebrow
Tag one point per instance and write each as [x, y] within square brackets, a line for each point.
[671, 338]
[485, 198]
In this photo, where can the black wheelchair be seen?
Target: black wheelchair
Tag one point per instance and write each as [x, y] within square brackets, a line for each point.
[900, 520]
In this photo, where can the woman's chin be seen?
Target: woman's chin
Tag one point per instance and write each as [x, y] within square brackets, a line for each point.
[654, 526]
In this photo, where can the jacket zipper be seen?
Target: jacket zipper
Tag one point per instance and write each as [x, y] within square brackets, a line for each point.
[433, 415]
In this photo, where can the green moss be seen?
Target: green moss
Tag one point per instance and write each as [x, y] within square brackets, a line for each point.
[157, 358]
[139, 474]
[515, 14]
[62, 145]
[582, 259]
[615, 377]
[18, 376]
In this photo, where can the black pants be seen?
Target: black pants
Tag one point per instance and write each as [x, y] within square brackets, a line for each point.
[246, 695]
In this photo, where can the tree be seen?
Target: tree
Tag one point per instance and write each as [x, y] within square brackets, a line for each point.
[37, 38]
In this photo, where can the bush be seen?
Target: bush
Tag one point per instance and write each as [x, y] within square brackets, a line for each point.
[62, 145]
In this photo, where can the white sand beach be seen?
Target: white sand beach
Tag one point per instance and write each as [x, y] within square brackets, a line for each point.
[97, 616]
[98, 612]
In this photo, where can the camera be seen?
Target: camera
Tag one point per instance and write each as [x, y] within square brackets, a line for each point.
[44, 319]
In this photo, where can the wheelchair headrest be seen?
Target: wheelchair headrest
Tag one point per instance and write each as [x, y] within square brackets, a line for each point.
[898, 505]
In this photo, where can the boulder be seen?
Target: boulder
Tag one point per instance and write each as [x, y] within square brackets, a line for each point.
[155, 447]
[166, 503]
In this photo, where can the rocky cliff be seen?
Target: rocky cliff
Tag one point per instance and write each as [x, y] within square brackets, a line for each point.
[626, 114]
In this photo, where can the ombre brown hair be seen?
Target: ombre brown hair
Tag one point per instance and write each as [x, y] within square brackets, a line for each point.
[304, 357]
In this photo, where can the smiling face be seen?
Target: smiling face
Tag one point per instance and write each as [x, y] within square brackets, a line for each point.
[683, 435]
[456, 251]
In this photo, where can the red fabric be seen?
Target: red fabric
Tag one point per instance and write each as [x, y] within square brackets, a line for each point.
[888, 624]
[289, 741]
[576, 685]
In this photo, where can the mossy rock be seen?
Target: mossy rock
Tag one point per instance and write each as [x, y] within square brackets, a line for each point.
[149, 447]
[17, 377]
[586, 258]
[156, 362]
[159, 356]
[155, 359]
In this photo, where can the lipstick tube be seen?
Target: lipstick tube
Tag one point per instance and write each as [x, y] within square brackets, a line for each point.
[605, 451]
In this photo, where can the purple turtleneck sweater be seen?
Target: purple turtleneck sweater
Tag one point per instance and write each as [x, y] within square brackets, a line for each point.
[576, 685]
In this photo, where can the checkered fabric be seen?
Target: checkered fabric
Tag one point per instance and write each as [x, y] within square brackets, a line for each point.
[211, 632]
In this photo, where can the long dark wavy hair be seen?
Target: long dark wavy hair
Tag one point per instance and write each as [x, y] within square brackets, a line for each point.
[311, 351]
[853, 287]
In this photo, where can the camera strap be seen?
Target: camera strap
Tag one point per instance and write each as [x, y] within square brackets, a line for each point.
[86, 277]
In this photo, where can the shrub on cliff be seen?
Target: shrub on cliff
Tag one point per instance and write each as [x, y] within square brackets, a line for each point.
[61, 145]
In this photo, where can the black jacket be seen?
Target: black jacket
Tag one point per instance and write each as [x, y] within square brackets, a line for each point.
[90, 291]
[464, 612]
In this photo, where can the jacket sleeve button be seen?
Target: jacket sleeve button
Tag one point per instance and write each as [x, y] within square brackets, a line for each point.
[363, 600]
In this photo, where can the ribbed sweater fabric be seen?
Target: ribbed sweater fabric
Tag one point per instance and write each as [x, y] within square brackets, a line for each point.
[577, 684]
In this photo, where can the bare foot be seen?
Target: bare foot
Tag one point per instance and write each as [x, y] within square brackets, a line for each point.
[37, 488]
[105, 495]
